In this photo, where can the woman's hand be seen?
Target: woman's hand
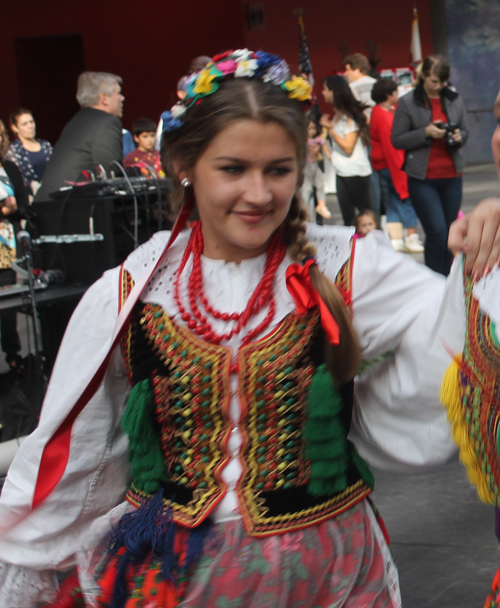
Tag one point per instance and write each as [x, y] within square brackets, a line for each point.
[9, 205]
[477, 235]
[457, 136]
[325, 121]
[434, 131]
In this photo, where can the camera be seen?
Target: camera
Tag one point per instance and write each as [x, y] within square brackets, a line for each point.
[450, 129]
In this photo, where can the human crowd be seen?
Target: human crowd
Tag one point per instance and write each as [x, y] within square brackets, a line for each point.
[209, 429]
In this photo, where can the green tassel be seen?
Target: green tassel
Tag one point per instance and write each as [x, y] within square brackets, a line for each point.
[326, 442]
[362, 466]
[327, 446]
[145, 453]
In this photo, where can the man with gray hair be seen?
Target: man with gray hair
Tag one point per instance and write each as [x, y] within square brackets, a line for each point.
[92, 137]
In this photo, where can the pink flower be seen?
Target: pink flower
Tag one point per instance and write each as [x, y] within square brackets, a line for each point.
[292, 542]
[227, 67]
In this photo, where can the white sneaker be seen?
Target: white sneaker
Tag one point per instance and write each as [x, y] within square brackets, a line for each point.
[398, 244]
[412, 244]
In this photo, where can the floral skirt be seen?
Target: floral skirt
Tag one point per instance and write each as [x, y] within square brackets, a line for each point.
[341, 563]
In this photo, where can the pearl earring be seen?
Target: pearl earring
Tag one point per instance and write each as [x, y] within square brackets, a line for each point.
[185, 182]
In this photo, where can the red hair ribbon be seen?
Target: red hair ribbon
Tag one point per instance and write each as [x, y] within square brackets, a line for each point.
[298, 283]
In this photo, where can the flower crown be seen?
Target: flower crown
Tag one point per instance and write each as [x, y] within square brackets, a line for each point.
[236, 64]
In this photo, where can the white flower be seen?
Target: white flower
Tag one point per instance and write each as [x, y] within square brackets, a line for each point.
[246, 68]
[178, 110]
[242, 54]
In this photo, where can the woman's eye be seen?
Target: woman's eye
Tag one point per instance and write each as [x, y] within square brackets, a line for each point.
[233, 169]
[279, 171]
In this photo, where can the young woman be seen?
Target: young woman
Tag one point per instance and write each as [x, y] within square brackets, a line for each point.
[313, 188]
[388, 162]
[433, 160]
[230, 396]
[350, 135]
[29, 153]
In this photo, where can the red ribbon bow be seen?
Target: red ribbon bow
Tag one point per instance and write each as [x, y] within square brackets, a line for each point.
[298, 283]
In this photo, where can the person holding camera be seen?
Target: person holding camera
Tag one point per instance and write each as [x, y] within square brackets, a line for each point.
[430, 125]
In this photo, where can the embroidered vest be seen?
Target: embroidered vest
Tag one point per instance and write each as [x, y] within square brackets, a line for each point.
[471, 394]
[190, 380]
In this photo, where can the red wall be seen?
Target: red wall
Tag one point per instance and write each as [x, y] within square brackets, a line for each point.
[327, 24]
[150, 44]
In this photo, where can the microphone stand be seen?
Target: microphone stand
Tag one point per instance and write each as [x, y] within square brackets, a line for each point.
[25, 240]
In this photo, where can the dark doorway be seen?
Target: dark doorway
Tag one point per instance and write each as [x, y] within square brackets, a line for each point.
[48, 68]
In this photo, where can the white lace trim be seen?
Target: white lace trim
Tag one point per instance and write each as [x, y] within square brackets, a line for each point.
[22, 587]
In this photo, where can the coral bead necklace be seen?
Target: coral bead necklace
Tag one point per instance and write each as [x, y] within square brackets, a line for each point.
[197, 320]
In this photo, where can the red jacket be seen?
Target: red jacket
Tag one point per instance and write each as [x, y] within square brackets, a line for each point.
[383, 154]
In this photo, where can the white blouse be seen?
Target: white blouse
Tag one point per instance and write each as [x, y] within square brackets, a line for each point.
[398, 305]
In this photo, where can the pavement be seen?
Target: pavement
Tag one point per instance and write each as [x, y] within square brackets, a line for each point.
[442, 536]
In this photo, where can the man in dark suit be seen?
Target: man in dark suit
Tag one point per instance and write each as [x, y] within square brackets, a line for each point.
[92, 137]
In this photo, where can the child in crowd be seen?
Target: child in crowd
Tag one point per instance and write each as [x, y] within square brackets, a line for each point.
[145, 155]
[313, 187]
[365, 222]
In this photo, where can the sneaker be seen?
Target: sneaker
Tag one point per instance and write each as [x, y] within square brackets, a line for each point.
[398, 244]
[412, 244]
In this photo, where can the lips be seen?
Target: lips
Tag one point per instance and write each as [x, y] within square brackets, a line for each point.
[252, 217]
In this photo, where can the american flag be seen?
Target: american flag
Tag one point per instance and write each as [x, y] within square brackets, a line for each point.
[305, 66]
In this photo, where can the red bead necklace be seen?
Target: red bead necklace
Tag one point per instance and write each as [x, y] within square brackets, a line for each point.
[263, 295]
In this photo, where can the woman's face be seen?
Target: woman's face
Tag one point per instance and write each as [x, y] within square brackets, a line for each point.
[393, 98]
[433, 85]
[25, 127]
[495, 140]
[327, 94]
[244, 183]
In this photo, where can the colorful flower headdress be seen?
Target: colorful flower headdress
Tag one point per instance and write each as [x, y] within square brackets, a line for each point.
[237, 64]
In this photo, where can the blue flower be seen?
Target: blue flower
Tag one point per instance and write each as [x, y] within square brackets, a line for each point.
[266, 60]
[169, 122]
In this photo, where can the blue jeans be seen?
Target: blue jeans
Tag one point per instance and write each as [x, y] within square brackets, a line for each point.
[437, 203]
[398, 210]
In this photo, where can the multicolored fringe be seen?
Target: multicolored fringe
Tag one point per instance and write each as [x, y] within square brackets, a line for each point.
[451, 398]
[149, 556]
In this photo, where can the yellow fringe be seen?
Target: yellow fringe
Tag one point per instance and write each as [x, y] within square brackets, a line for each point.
[451, 399]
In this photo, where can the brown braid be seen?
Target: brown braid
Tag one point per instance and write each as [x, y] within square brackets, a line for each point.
[343, 359]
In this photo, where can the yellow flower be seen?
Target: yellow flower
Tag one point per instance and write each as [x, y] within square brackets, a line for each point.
[203, 84]
[298, 88]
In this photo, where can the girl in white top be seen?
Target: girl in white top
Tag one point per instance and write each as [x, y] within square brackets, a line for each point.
[350, 136]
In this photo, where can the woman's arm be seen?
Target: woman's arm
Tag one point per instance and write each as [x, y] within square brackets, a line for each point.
[20, 190]
[462, 123]
[477, 234]
[346, 143]
[405, 136]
